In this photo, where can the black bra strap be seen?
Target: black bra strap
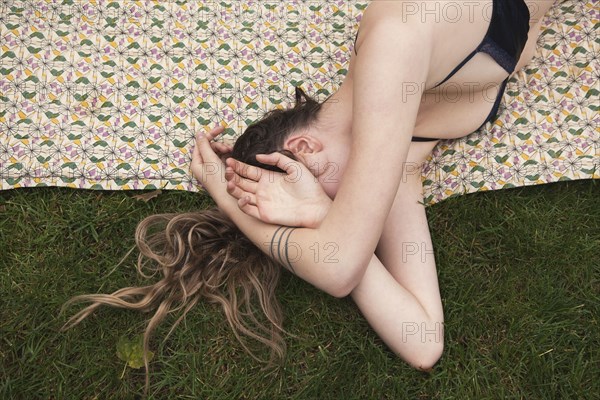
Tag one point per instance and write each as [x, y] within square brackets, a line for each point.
[423, 139]
[459, 66]
[494, 112]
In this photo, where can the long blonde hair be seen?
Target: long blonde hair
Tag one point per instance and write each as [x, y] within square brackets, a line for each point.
[202, 256]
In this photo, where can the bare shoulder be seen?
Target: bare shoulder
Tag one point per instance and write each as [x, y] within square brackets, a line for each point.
[383, 8]
[384, 17]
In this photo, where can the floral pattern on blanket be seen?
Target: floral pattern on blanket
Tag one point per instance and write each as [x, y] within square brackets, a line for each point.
[109, 94]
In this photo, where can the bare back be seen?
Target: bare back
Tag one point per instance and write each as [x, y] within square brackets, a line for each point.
[459, 106]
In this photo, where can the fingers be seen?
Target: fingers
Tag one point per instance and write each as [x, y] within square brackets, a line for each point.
[205, 160]
[247, 185]
[221, 148]
[234, 191]
[216, 131]
[246, 201]
[240, 188]
[196, 157]
[249, 209]
[244, 170]
[280, 161]
[205, 151]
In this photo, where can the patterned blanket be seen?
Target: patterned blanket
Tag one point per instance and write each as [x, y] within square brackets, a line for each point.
[109, 94]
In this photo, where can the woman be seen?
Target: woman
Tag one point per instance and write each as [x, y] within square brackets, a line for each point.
[371, 241]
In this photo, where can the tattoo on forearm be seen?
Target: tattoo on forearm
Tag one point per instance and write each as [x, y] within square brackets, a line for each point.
[273, 240]
[287, 256]
[282, 251]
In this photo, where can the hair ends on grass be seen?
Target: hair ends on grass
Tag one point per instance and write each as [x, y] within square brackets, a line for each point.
[202, 256]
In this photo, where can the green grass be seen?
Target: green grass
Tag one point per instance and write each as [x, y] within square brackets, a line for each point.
[519, 275]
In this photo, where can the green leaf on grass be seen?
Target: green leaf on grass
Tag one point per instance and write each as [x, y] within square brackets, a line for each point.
[132, 351]
[147, 196]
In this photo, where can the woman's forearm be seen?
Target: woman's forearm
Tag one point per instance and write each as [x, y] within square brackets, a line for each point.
[393, 311]
[299, 250]
[399, 318]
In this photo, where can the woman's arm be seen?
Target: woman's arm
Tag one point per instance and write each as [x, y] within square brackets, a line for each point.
[389, 76]
[398, 316]
[387, 94]
[398, 293]
[400, 296]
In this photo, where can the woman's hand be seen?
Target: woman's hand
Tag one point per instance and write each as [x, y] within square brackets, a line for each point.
[208, 165]
[293, 198]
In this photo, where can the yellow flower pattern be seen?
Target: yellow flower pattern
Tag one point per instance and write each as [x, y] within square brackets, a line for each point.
[109, 94]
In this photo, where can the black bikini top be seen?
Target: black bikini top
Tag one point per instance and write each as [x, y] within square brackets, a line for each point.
[504, 41]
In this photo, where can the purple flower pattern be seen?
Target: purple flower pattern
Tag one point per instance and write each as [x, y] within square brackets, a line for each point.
[109, 94]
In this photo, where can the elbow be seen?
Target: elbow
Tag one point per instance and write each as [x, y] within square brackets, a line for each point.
[421, 348]
[340, 291]
[344, 281]
[340, 272]
[339, 287]
[427, 357]
[334, 284]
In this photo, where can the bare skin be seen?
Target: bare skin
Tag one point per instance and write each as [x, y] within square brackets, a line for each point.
[379, 225]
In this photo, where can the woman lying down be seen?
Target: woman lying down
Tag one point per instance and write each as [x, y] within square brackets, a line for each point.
[343, 175]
